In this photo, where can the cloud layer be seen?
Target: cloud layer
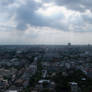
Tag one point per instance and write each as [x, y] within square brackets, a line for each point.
[55, 21]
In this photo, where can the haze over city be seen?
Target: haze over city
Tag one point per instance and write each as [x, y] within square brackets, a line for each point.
[45, 21]
[45, 45]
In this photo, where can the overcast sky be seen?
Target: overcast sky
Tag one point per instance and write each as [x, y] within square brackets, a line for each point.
[45, 21]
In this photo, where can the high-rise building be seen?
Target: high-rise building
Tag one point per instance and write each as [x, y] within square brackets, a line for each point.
[69, 44]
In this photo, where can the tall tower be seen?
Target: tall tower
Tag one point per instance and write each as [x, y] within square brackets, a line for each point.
[69, 44]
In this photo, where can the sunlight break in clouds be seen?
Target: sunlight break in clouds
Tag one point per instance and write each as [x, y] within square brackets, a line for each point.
[51, 10]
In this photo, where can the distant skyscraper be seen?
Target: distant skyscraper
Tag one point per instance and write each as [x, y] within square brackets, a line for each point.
[69, 44]
[88, 45]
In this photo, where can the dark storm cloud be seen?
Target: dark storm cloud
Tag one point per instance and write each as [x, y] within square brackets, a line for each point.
[78, 5]
[26, 15]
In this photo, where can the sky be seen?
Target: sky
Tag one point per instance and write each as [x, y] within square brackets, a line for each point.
[45, 21]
